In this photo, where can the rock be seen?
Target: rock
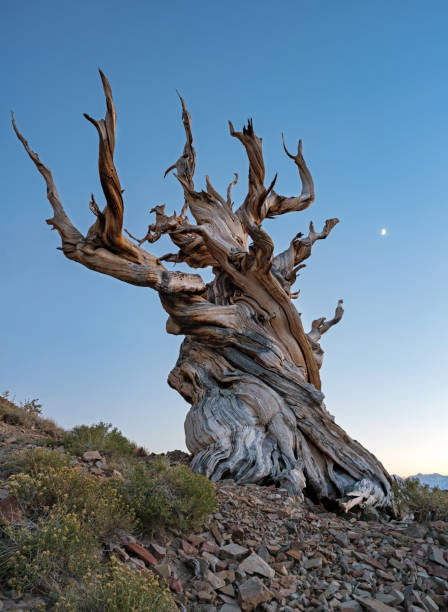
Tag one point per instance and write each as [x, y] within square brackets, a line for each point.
[237, 533]
[370, 514]
[10, 510]
[139, 551]
[374, 605]
[164, 569]
[215, 581]
[430, 604]
[175, 585]
[211, 559]
[254, 564]
[209, 547]
[350, 606]
[437, 570]
[4, 494]
[188, 548]
[416, 530]
[233, 551]
[137, 563]
[313, 563]
[396, 564]
[196, 540]
[159, 552]
[398, 595]
[230, 608]
[436, 554]
[92, 456]
[213, 526]
[205, 596]
[252, 593]
[386, 598]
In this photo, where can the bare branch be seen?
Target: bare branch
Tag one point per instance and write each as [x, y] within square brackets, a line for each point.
[277, 204]
[288, 263]
[109, 224]
[229, 191]
[192, 249]
[90, 251]
[212, 191]
[70, 236]
[321, 326]
[253, 145]
[250, 209]
[318, 328]
[186, 164]
[302, 246]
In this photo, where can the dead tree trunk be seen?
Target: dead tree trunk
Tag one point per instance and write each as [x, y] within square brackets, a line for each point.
[246, 366]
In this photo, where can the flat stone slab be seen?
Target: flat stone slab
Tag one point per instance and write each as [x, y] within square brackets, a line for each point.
[254, 564]
[253, 593]
[233, 551]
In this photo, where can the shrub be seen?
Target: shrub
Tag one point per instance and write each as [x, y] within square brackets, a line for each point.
[34, 461]
[423, 502]
[97, 502]
[57, 548]
[14, 415]
[101, 437]
[118, 588]
[167, 497]
[26, 415]
[32, 406]
[194, 494]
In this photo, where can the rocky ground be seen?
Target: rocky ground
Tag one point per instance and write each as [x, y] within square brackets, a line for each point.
[262, 550]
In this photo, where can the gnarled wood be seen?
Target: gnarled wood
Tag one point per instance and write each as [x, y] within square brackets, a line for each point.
[246, 365]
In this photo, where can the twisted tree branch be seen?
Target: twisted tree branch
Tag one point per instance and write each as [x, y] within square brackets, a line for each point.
[279, 205]
[105, 249]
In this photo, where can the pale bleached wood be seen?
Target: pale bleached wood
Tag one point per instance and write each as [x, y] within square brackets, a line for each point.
[246, 365]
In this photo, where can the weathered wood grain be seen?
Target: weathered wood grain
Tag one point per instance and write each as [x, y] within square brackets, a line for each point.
[246, 366]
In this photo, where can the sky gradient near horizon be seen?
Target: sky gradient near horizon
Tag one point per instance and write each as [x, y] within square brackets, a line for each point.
[364, 84]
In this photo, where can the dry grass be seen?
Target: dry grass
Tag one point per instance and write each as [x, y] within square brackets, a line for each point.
[28, 415]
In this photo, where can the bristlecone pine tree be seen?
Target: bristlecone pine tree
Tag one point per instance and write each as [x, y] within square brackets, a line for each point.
[246, 365]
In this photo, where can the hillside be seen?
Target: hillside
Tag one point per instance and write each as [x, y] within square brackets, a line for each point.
[91, 522]
[433, 480]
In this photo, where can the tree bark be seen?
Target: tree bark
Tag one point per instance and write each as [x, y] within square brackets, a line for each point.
[246, 366]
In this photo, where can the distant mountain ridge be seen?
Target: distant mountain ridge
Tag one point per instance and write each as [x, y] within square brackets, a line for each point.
[433, 480]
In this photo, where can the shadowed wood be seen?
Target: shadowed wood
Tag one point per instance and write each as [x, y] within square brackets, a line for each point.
[246, 365]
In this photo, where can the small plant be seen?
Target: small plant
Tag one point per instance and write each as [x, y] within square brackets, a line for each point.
[101, 508]
[167, 497]
[26, 415]
[32, 406]
[34, 461]
[118, 588]
[422, 501]
[56, 549]
[101, 437]
[194, 494]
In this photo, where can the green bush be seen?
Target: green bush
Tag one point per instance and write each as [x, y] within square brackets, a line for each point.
[101, 437]
[194, 495]
[96, 501]
[162, 497]
[56, 549]
[34, 461]
[426, 504]
[117, 589]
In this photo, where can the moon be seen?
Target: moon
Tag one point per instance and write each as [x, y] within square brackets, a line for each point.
[383, 231]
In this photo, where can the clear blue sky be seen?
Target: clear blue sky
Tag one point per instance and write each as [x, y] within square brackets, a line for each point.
[364, 84]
